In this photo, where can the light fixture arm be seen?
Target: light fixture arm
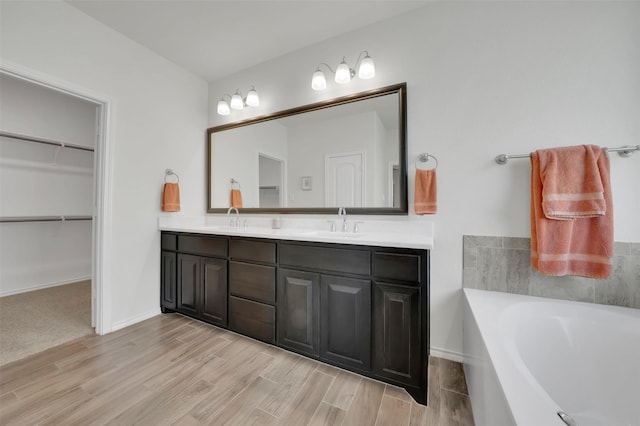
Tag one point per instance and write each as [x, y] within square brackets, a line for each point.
[352, 72]
[326, 65]
[360, 58]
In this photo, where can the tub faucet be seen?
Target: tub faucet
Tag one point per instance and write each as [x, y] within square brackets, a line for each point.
[567, 419]
[233, 223]
[343, 214]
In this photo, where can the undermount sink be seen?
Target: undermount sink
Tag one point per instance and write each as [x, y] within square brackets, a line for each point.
[336, 234]
[255, 230]
[225, 228]
[260, 230]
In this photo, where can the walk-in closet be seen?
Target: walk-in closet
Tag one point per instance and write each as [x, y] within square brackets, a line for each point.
[47, 163]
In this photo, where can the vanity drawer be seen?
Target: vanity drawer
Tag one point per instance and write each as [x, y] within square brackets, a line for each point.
[397, 266]
[256, 282]
[252, 319]
[169, 241]
[253, 250]
[326, 259]
[205, 246]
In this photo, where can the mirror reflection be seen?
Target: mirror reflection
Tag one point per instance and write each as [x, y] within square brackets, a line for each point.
[349, 152]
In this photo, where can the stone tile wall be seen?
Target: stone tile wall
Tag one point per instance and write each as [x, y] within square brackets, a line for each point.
[503, 264]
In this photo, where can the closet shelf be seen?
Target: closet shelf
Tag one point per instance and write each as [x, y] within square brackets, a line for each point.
[45, 141]
[8, 219]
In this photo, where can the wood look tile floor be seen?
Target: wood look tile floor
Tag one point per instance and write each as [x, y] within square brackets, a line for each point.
[172, 370]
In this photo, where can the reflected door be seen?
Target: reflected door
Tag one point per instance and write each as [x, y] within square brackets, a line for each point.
[344, 176]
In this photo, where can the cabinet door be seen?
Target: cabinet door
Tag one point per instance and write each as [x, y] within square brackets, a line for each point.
[214, 291]
[168, 280]
[345, 327]
[298, 310]
[188, 284]
[397, 353]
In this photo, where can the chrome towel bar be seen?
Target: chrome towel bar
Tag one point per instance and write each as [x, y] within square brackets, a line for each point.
[623, 151]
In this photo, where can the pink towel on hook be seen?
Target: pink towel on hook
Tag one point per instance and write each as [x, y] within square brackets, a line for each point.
[236, 198]
[571, 212]
[171, 197]
[425, 194]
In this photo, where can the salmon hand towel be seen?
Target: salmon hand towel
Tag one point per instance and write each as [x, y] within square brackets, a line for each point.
[236, 198]
[425, 195]
[171, 197]
[572, 185]
[571, 212]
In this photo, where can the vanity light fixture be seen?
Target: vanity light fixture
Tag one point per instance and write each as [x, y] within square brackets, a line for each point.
[238, 102]
[343, 73]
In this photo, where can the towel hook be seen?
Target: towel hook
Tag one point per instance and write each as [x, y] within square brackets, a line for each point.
[424, 158]
[233, 181]
[170, 172]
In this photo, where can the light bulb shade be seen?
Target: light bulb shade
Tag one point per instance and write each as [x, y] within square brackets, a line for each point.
[318, 82]
[223, 107]
[367, 68]
[343, 73]
[252, 98]
[236, 101]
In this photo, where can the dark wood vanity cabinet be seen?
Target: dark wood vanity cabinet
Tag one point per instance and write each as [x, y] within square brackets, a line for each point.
[326, 310]
[200, 277]
[202, 288]
[168, 280]
[397, 326]
[401, 315]
[168, 271]
[252, 288]
[358, 307]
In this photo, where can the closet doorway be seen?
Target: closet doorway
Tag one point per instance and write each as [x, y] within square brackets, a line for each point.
[270, 181]
[48, 211]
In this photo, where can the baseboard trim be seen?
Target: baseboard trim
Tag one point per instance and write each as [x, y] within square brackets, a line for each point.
[43, 286]
[447, 354]
[131, 321]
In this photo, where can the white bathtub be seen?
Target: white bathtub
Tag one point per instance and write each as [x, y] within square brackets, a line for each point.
[527, 357]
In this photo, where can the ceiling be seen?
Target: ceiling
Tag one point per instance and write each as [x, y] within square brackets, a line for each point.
[215, 38]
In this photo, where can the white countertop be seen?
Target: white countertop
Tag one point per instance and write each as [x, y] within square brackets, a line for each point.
[407, 233]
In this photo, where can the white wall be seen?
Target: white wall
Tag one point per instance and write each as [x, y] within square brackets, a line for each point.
[158, 122]
[486, 78]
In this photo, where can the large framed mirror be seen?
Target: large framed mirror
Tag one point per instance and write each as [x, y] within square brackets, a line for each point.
[347, 152]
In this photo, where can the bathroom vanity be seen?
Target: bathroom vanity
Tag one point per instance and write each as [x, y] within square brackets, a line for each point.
[360, 306]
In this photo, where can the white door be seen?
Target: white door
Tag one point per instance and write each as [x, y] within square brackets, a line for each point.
[344, 180]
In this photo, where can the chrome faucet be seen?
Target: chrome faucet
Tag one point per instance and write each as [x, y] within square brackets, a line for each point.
[231, 221]
[343, 213]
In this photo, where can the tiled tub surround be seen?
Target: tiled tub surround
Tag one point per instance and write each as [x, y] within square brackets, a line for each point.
[503, 264]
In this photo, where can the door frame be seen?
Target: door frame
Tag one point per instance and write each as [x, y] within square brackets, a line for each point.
[101, 261]
[391, 166]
